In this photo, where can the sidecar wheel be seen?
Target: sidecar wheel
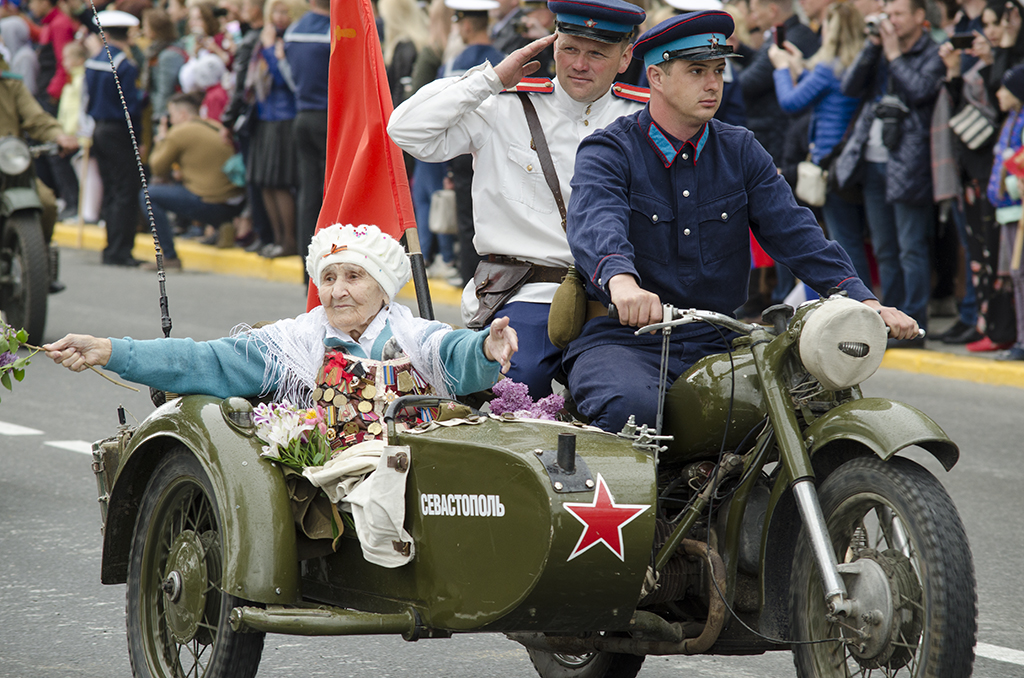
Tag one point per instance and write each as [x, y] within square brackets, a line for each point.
[177, 614]
[594, 665]
[24, 275]
[897, 524]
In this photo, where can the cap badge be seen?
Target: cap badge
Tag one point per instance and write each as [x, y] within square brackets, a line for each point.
[714, 42]
[590, 23]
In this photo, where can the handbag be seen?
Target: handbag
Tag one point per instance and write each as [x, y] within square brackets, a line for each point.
[442, 219]
[972, 127]
[811, 183]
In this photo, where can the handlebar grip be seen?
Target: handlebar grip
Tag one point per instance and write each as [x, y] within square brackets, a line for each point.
[613, 312]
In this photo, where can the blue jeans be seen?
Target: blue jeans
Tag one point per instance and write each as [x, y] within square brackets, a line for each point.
[969, 304]
[845, 224]
[901, 235]
[428, 177]
[176, 198]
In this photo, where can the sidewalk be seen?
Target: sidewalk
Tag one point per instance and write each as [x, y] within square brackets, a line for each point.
[952, 362]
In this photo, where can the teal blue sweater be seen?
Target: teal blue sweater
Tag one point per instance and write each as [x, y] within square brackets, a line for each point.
[231, 367]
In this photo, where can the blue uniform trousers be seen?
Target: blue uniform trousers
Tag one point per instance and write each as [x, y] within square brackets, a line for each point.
[538, 360]
[609, 382]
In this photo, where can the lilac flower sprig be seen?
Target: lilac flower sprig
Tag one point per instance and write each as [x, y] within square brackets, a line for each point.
[514, 398]
[10, 364]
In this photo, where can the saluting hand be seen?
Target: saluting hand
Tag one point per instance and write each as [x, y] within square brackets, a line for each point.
[501, 343]
[79, 352]
[519, 64]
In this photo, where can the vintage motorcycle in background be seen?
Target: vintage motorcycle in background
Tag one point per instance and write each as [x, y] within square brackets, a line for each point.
[776, 513]
[28, 264]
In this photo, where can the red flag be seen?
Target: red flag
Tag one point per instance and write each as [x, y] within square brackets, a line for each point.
[365, 182]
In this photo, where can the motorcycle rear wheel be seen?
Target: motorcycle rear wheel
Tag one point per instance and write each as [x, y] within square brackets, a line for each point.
[24, 275]
[898, 520]
[593, 665]
[177, 615]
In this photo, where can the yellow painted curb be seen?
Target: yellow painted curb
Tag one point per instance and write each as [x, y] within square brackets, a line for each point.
[229, 261]
[978, 370]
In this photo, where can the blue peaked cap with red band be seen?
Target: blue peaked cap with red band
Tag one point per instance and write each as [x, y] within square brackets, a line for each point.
[697, 36]
[608, 21]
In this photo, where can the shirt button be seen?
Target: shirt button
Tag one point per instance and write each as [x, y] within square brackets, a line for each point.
[529, 168]
[686, 194]
[654, 218]
[686, 231]
[724, 216]
[600, 282]
[685, 157]
[586, 123]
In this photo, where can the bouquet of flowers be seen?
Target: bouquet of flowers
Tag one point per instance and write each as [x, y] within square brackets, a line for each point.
[10, 364]
[295, 437]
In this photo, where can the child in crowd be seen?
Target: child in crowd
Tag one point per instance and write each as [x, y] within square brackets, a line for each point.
[1005, 194]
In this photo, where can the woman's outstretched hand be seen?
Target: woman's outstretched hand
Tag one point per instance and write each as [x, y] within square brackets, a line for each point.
[79, 352]
[501, 343]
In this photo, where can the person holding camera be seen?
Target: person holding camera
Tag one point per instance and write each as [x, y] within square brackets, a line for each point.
[898, 74]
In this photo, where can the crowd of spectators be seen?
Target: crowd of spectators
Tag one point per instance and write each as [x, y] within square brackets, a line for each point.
[911, 106]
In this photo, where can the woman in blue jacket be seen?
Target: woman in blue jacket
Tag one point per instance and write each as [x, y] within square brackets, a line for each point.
[815, 85]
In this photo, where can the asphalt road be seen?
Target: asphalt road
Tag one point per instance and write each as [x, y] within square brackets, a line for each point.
[57, 620]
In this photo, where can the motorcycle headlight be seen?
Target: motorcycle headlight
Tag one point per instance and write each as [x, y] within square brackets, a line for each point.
[842, 343]
[14, 156]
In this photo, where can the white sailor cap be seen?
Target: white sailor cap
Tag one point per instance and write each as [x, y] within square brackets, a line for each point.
[115, 18]
[469, 6]
[695, 5]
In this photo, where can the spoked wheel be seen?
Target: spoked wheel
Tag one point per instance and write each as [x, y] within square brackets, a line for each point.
[592, 665]
[24, 275]
[907, 567]
[177, 614]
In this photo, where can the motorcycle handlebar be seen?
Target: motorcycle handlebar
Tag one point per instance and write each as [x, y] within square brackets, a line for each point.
[44, 149]
[678, 316]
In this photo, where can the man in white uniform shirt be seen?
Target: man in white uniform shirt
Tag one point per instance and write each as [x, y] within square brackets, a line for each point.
[518, 220]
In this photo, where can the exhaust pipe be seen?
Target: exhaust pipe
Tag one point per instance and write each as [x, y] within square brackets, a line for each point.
[324, 621]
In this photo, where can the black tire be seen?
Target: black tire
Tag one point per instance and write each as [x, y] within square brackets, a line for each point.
[24, 275]
[183, 630]
[922, 571]
[595, 665]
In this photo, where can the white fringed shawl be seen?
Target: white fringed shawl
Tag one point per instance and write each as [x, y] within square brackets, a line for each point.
[293, 350]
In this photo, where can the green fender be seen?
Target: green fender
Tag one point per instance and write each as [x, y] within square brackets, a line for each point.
[260, 559]
[884, 426]
[15, 199]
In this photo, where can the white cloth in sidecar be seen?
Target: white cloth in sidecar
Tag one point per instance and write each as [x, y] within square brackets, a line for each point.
[376, 501]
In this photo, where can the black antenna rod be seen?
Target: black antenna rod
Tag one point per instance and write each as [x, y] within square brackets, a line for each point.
[161, 276]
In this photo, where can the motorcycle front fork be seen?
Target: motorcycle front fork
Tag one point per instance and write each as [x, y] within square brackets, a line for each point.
[836, 597]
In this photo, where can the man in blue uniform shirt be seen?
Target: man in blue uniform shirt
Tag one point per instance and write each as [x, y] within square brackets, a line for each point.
[307, 48]
[112, 142]
[661, 204]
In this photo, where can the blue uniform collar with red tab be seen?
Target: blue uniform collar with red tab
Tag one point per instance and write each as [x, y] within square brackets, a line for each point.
[666, 146]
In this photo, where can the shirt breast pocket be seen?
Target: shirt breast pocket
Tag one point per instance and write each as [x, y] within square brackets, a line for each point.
[524, 180]
[724, 229]
[651, 224]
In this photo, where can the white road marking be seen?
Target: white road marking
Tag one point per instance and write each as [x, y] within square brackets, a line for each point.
[73, 445]
[7, 429]
[1000, 654]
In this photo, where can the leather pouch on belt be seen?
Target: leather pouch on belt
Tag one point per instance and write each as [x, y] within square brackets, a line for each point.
[568, 310]
[496, 283]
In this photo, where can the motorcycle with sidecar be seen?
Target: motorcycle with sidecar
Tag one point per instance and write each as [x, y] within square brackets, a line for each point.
[774, 511]
[28, 263]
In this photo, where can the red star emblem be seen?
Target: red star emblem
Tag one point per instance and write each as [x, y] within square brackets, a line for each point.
[603, 520]
[714, 42]
[590, 23]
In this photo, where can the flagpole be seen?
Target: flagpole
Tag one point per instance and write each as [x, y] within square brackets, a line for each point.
[419, 273]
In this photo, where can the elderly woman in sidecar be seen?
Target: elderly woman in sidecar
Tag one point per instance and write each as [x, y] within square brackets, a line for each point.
[352, 355]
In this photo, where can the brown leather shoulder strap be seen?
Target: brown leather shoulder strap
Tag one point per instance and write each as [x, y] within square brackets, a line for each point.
[540, 144]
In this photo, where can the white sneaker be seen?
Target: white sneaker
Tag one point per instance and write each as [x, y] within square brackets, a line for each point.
[441, 270]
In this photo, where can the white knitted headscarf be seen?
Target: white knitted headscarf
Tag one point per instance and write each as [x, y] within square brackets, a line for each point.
[365, 245]
[293, 349]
